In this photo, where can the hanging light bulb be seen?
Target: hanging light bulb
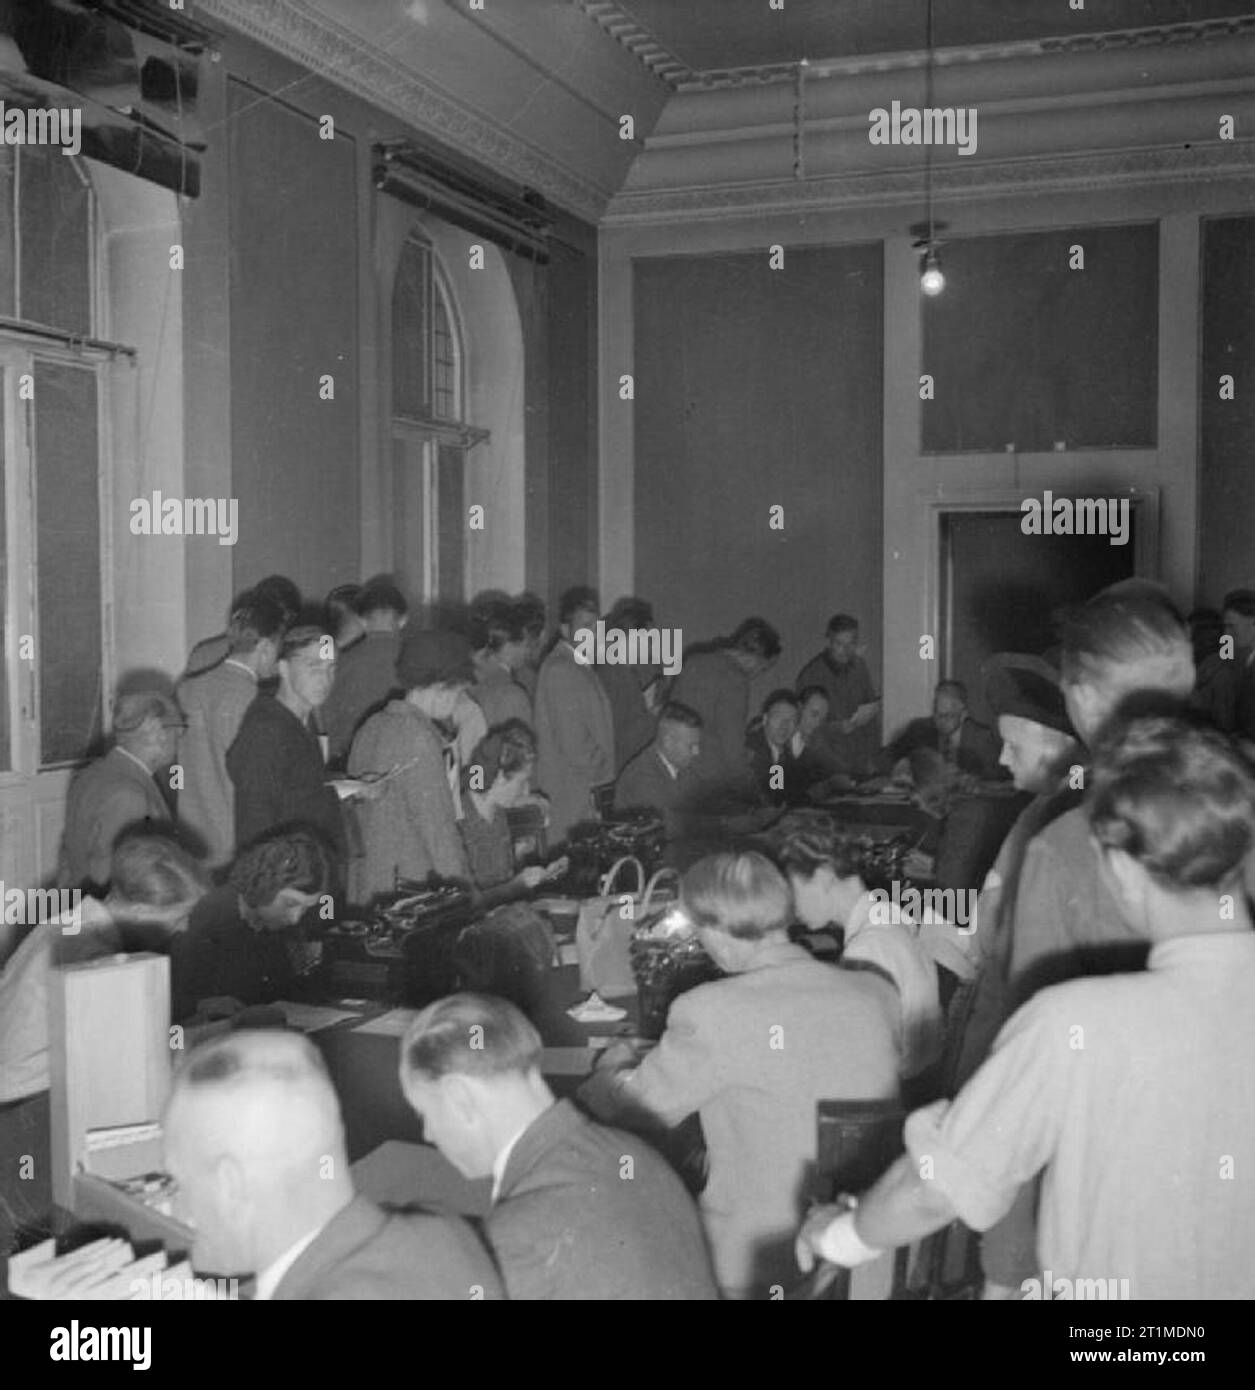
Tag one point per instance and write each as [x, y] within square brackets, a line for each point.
[931, 279]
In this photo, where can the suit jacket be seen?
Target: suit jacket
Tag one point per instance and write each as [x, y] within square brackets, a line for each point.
[277, 770]
[978, 751]
[206, 654]
[215, 704]
[646, 782]
[762, 761]
[752, 1055]
[586, 1212]
[501, 697]
[715, 686]
[633, 724]
[367, 1253]
[113, 794]
[1244, 701]
[575, 738]
[412, 828]
[367, 675]
[1066, 922]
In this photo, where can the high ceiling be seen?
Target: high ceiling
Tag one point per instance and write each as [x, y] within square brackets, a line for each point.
[723, 35]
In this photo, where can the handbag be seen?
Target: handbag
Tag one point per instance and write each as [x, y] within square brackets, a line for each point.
[606, 924]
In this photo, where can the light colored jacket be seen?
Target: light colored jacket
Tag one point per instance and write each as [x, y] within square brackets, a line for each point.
[575, 738]
[752, 1055]
[411, 829]
[214, 704]
[113, 794]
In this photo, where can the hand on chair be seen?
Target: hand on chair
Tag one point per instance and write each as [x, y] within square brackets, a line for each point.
[828, 1234]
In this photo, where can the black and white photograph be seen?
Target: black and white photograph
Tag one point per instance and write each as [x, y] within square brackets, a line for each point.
[627, 668]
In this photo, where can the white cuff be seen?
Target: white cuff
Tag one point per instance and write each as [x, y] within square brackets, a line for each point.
[841, 1244]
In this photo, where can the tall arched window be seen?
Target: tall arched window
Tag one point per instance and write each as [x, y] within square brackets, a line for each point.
[53, 593]
[430, 432]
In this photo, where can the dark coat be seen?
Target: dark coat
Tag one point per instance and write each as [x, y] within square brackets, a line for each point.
[711, 683]
[277, 768]
[366, 676]
[367, 1253]
[586, 1212]
[979, 747]
[645, 782]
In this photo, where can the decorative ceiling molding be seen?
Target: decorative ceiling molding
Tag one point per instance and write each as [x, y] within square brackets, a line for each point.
[1061, 174]
[339, 55]
[660, 62]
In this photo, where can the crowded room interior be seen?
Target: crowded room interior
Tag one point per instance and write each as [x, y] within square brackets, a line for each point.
[627, 650]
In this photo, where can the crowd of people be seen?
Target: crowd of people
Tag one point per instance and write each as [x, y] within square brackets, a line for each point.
[1073, 1059]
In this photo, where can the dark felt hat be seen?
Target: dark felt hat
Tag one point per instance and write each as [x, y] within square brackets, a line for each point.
[1029, 689]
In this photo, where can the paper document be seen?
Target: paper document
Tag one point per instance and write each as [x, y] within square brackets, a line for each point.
[393, 1024]
[309, 1018]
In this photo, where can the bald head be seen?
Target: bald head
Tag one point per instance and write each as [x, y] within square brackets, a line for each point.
[255, 1141]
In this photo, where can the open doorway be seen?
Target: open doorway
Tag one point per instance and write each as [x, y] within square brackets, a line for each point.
[1000, 589]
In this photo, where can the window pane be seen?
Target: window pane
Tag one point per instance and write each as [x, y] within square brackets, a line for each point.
[411, 294]
[6, 752]
[56, 242]
[7, 302]
[444, 364]
[67, 516]
[1030, 346]
[452, 521]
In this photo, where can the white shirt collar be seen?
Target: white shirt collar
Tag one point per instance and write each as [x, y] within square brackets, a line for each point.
[240, 666]
[271, 1277]
[502, 1158]
[860, 917]
[139, 762]
[672, 771]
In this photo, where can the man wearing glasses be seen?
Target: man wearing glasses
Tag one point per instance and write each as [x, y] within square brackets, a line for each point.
[117, 792]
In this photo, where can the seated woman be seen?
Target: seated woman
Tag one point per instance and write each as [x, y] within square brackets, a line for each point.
[497, 779]
[752, 1055]
[409, 829]
[241, 946]
[276, 761]
[828, 890]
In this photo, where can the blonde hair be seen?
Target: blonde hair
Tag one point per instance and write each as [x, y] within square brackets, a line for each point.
[742, 895]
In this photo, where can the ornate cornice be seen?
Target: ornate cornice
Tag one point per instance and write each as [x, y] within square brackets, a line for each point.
[957, 182]
[661, 63]
[339, 55]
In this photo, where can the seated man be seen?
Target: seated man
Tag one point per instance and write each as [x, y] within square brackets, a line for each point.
[962, 743]
[1110, 1084]
[770, 746]
[239, 948]
[659, 777]
[255, 1141]
[117, 792]
[579, 1211]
